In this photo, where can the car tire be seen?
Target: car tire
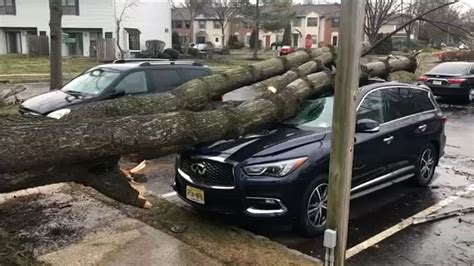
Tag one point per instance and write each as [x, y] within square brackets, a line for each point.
[426, 165]
[312, 219]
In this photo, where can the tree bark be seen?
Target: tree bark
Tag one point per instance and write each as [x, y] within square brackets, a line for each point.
[55, 13]
[39, 145]
[195, 94]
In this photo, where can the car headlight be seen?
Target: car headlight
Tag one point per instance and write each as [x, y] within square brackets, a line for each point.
[59, 113]
[276, 169]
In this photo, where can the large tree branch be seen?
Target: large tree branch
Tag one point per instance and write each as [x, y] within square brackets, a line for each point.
[459, 27]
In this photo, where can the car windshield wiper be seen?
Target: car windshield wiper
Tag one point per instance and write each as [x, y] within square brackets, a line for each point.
[74, 92]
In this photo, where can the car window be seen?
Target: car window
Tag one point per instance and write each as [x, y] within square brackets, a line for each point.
[400, 102]
[314, 113]
[189, 74]
[450, 69]
[422, 101]
[372, 107]
[163, 80]
[133, 83]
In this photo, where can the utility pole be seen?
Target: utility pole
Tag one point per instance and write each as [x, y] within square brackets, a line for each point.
[343, 128]
[55, 55]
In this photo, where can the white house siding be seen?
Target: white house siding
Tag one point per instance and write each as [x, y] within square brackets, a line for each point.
[96, 17]
[151, 17]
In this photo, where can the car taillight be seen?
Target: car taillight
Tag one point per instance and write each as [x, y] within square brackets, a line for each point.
[456, 81]
[423, 78]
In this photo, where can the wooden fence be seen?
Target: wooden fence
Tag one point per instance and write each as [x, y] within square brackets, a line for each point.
[105, 49]
[37, 45]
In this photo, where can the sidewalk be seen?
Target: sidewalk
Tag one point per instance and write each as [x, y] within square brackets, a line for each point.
[69, 224]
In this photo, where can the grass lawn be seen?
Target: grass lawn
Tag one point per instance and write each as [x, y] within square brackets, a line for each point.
[20, 68]
[21, 64]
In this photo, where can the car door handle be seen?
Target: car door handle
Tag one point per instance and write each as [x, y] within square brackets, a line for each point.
[388, 140]
[422, 128]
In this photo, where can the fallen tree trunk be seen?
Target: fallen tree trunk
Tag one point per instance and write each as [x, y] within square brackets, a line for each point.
[195, 94]
[33, 150]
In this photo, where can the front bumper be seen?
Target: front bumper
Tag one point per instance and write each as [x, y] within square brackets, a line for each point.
[234, 201]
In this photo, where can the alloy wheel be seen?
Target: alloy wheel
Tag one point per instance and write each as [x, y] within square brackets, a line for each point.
[471, 95]
[317, 205]
[427, 164]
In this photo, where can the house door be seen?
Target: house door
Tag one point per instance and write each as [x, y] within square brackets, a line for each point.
[267, 41]
[75, 47]
[14, 42]
[295, 40]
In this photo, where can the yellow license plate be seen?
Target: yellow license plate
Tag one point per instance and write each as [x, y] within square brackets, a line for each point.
[195, 194]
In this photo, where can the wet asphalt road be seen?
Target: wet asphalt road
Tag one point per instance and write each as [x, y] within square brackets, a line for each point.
[441, 242]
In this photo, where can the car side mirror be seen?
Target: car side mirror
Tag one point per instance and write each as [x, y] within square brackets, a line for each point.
[117, 92]
[367, 126]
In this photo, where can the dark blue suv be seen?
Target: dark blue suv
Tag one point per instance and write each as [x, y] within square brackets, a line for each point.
[284, 172]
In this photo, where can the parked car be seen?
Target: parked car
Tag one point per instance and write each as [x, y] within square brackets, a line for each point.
[286, 50]
[451, 79]
[284, 172]
[122, 78]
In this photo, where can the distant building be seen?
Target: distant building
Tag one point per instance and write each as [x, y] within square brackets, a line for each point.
[206, 27]
[319, 21]
[84, 22]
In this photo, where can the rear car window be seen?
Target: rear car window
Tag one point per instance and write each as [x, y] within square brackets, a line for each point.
[189, 74]
[163, 80]
[422, 101]
[400, 103]
[451, 69]
[406, 101]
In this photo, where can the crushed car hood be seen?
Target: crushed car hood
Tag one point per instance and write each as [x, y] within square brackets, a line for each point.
[263, 143]
[51, 101]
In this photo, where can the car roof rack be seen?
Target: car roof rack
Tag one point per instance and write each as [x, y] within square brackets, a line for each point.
[170, 62]
[135, 60]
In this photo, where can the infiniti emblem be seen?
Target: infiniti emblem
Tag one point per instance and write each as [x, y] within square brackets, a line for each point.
[198, 168]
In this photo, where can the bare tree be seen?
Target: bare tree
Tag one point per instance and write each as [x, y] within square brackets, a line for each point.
[377, 14]
[421, 16]
[118, 23]
[56, 73]
[261, 12]
[222, 10]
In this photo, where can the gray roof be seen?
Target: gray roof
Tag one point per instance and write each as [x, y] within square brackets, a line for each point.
[326, 10]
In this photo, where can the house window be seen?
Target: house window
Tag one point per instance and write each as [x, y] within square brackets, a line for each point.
[312, 22]
[334, 40]
[335, 22]
[187, 24]
[314, 38]
[7, 7]
[217, 25]
[178, 24]
[297, 22]
[202, 24]
[108, 35]
[279, 38]
[217, 39]
[133, 39]
[70, 7]
[42, 33]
